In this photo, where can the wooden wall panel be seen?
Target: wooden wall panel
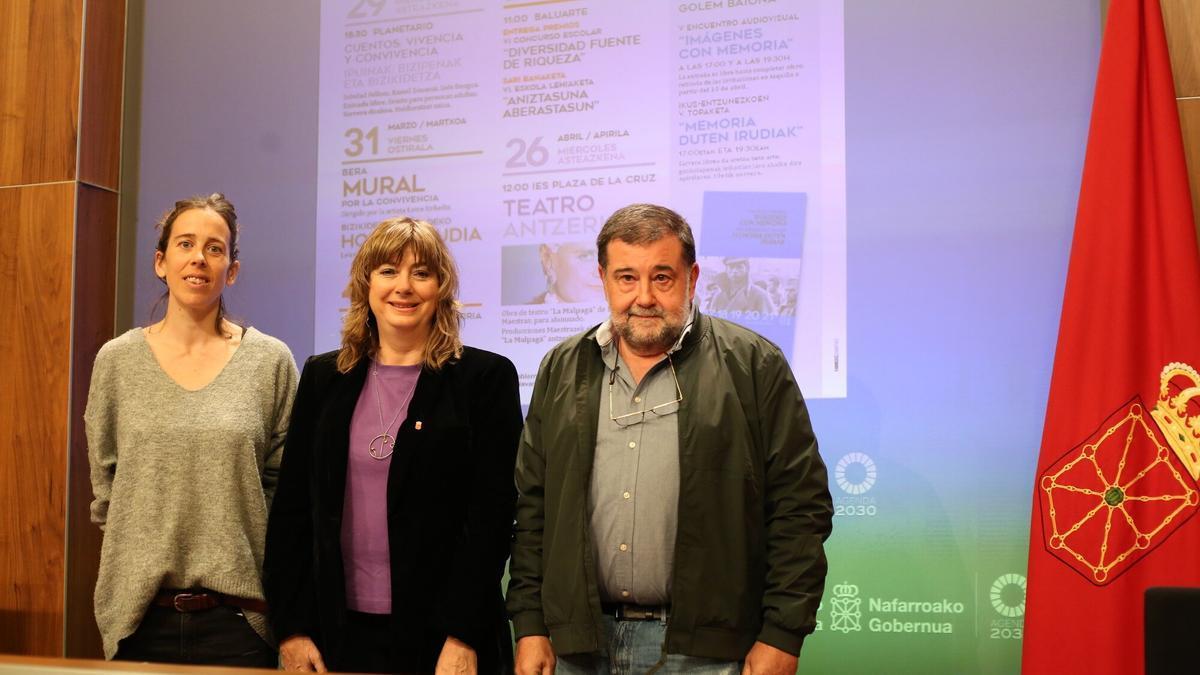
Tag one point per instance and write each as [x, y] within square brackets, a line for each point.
[56, 308]
[95, 274]
[100, 112]
[39, 94]
[35, 329]
[1181, 18]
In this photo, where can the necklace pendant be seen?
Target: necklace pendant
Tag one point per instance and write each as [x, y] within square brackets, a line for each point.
[382, 446]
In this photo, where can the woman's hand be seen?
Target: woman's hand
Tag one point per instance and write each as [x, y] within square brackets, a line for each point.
[456, 659]
[300, 653]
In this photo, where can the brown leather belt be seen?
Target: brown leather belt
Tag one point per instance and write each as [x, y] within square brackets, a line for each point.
[624, 612]
[201, 599]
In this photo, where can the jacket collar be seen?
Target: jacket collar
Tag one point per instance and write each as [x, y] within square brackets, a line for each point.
[692, 331]
[422, 407]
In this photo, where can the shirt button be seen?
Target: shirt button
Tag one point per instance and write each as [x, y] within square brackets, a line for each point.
[624, 594]
[625, 495]
[624, 547]
[632, 444]
[637, 399]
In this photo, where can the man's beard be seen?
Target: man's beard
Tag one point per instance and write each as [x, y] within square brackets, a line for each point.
[645, 338]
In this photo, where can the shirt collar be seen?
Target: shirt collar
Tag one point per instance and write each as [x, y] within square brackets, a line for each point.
[608, 345]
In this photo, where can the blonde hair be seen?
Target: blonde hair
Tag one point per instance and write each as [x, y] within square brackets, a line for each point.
[388, 243]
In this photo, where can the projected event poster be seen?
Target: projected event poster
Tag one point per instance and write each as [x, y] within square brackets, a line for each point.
[518, 128]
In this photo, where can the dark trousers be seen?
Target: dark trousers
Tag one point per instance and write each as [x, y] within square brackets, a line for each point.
[220, 636]
[368, 644]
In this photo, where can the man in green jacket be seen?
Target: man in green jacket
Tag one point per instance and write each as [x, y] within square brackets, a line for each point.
[673, 506]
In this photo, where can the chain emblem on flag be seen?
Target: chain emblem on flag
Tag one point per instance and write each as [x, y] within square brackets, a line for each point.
[1111, 500]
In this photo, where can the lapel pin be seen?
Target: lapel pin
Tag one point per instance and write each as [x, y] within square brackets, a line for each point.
[417, 426]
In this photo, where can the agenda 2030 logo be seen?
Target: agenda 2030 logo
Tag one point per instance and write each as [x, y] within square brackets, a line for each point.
[855, 474]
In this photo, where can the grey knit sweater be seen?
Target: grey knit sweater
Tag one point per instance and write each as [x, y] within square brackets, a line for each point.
[183, 479]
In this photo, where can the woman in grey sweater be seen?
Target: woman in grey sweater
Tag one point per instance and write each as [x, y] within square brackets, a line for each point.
[186, 420]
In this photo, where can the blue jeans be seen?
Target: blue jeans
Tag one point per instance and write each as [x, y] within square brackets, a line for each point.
[636, 648]
[217, 637]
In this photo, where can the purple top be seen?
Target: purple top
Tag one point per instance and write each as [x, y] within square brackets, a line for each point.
[365, 552]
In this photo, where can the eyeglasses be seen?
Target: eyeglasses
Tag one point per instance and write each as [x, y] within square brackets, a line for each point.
[627, 420]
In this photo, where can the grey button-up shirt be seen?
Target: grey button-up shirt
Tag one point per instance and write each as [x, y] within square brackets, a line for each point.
[634, 492]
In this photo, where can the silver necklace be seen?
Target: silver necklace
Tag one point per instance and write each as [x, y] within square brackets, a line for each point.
[383, 445]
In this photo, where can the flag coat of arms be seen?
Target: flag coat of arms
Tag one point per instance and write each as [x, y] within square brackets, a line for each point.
[1116, 492]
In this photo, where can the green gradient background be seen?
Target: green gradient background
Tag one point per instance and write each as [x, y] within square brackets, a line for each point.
[912, 564]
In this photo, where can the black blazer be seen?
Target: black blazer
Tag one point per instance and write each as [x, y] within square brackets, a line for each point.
[450, 501]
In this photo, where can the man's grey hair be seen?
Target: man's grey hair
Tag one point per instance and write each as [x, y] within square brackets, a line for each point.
[640, 224]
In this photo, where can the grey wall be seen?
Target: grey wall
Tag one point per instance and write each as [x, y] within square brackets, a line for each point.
[227, 101]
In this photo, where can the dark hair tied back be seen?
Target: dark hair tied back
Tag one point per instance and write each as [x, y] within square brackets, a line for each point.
[218, 204]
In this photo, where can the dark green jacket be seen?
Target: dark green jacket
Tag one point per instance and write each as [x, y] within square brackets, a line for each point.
[754, 504]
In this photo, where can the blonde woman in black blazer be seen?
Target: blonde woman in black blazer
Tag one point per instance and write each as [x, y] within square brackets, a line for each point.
[446, 460]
